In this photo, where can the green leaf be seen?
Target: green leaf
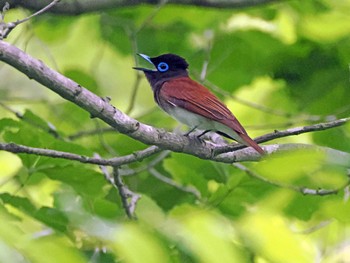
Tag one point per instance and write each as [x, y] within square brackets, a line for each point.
[307, 168]
[37, 121]
[7, 123]
[84, 79]
[83, 180]
[269, 236]
[135, 244]
[18, 202]
[338, 209]
[303, 207]
[53, 218]
[188, 170]
[208, 236]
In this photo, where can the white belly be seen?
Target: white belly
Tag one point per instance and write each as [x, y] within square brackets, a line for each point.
[199, 122]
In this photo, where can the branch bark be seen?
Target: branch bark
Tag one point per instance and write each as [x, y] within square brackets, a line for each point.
[129, 198]
[102, 109]
[116, 161]
[289, 132]
[77, 7]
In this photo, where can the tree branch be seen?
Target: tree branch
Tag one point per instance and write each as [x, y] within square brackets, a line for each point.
[303, 190]
[6, 28]
[77, 7]
[116, 161]
[100, 108]
[243, 155]
[289, 132]
[129, 198]
[164, 179]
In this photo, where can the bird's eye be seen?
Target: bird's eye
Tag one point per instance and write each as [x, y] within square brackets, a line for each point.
[162, 67]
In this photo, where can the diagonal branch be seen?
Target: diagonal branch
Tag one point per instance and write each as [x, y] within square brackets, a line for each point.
[98, 107]
[102, 109]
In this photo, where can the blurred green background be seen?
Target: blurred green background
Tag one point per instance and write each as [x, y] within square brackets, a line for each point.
[276, 66]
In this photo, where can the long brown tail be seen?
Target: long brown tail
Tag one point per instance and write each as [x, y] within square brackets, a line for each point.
[250, 142]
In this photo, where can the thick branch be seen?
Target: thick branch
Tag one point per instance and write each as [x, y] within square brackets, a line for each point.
[86, 6]
[101, 109]
[243, 155]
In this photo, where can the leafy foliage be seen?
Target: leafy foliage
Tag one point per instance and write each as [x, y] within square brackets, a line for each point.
[291, 59]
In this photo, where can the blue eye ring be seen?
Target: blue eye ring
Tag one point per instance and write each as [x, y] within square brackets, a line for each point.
[162, 67]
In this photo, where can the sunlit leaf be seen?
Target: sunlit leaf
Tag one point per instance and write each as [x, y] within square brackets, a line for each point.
[270, 237]
[136, 244]
[209, 237]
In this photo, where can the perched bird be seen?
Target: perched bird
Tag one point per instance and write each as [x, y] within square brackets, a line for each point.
[189, 102]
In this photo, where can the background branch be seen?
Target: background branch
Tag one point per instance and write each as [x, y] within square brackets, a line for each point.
[86, 6]
[134, 157]
[288, 132]
[300, 189]
[167, 180]
[129, 198]
[6, 28]
[100, 108]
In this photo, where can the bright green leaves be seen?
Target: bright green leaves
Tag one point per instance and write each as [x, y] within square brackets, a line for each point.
[308, 167]
[135, 244]
[209, 237]
[34, 246]
[326, 27]
[290, 60]
[189, 170]
[259, 232]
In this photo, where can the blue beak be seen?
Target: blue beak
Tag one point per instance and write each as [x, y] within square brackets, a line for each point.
[145, 57]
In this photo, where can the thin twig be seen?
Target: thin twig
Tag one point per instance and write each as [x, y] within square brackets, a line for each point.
[135, 89]
[303, 190]
[92, 132]
[104, 170]
[49, 127]
[124, 192]
[8, 27]
[150, 17]
[130, 172]
[103, 142]
[208, 35]
[246, 102]
[315, 228]
[44, 9]
[134, 157]
[125, 195]
[132, 34]
[289, 132]
[164, 179]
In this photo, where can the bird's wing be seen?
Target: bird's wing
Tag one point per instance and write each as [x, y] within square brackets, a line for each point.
[190, 95]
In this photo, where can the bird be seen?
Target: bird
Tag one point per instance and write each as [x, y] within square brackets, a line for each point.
[189, 102]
